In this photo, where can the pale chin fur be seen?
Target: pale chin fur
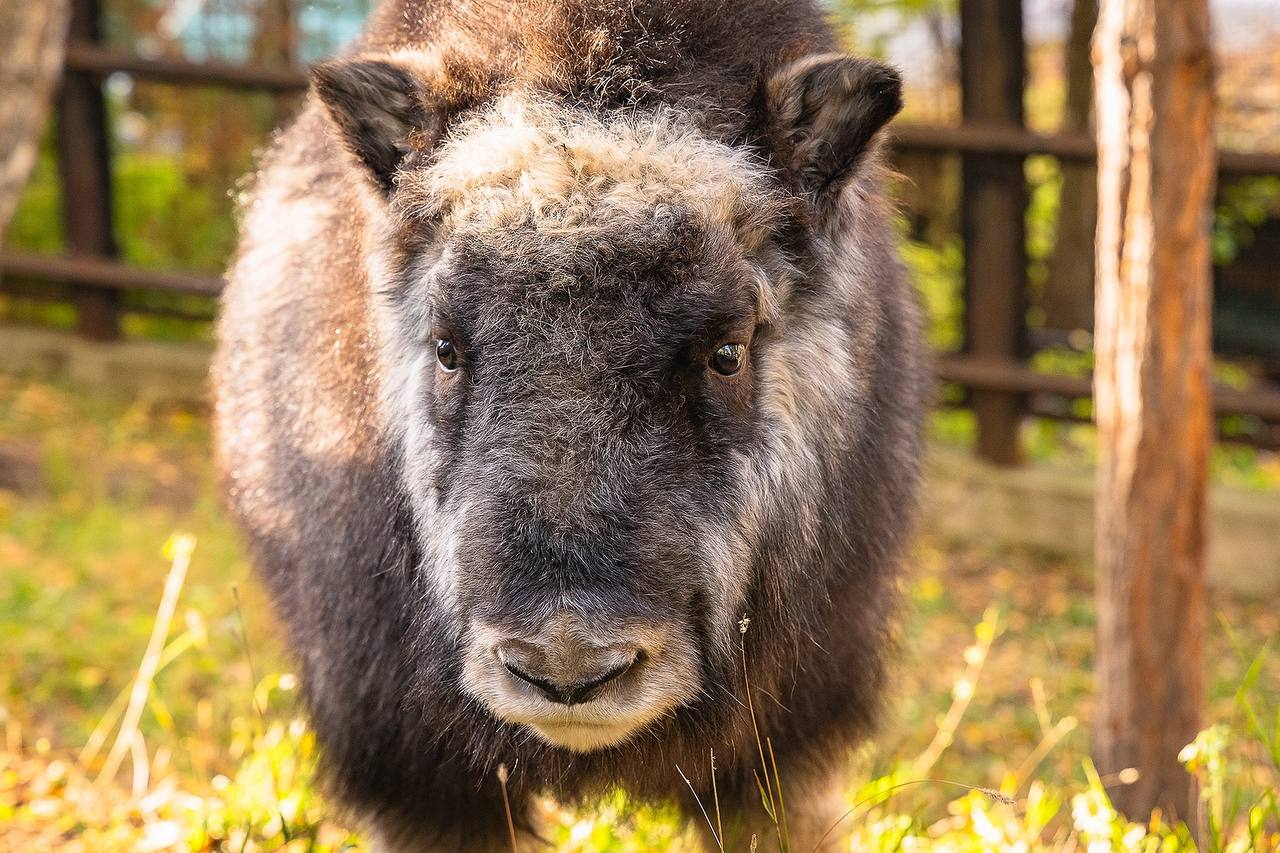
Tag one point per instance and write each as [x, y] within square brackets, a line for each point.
[580, 737]
[585, 730]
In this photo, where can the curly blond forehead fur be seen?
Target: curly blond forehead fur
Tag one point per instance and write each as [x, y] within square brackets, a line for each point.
[532, 163]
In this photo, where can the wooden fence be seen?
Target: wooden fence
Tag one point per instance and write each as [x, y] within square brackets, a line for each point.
[999, 385]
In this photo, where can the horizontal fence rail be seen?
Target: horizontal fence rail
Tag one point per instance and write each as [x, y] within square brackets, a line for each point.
[1072, 147]
[972, 372]
[1016, 377]
[104, 272]
[973, 139]
[967, 139]
[92, 59]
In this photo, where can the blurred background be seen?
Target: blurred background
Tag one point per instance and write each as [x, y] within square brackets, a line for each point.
[145, 701]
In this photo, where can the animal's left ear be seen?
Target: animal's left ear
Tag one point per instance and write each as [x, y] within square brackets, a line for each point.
[824, 111]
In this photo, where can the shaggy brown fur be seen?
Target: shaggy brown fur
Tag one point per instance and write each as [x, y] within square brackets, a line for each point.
[583, 198]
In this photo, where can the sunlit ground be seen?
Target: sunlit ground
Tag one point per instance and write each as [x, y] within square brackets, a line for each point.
[993, 687]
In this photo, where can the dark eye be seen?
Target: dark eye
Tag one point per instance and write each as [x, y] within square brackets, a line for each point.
[727, 360]
[447, 355]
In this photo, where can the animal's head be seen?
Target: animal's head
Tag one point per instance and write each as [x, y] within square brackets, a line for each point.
[621, 361]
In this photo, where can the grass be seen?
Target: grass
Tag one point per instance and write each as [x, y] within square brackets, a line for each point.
[993, 690]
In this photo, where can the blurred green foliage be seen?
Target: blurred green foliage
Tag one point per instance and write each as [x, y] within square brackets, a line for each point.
[177, 157]
[846, 15]
[37, 222]
[1243, 206]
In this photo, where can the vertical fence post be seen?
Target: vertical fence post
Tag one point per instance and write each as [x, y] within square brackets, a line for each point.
[84, 167]
[1152, 393]
[993, 211]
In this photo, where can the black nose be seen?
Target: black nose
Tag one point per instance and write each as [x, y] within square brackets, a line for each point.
[566, 669]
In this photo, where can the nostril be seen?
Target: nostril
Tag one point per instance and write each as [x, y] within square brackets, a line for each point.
[585, 691]
[548, 688]
[567, 685]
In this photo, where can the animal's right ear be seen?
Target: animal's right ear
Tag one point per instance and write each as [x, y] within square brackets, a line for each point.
[382, 111]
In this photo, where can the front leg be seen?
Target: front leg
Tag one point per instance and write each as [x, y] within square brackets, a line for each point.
[480, 827]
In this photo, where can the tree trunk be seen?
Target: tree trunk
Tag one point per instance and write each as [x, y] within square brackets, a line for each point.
[1157, 163]
[31, 40]
[1068, 296]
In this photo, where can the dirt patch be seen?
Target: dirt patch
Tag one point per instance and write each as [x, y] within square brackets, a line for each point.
[20, 468]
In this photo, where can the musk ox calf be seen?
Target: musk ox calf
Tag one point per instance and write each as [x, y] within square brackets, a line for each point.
[563, 335]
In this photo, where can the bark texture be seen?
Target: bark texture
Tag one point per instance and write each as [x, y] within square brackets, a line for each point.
[1157, 163]
[31, 42]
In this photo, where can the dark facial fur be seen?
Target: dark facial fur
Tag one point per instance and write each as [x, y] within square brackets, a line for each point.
[533, 546]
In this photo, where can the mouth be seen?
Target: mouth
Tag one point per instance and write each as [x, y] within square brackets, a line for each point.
[598, 721]
[598, 696]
